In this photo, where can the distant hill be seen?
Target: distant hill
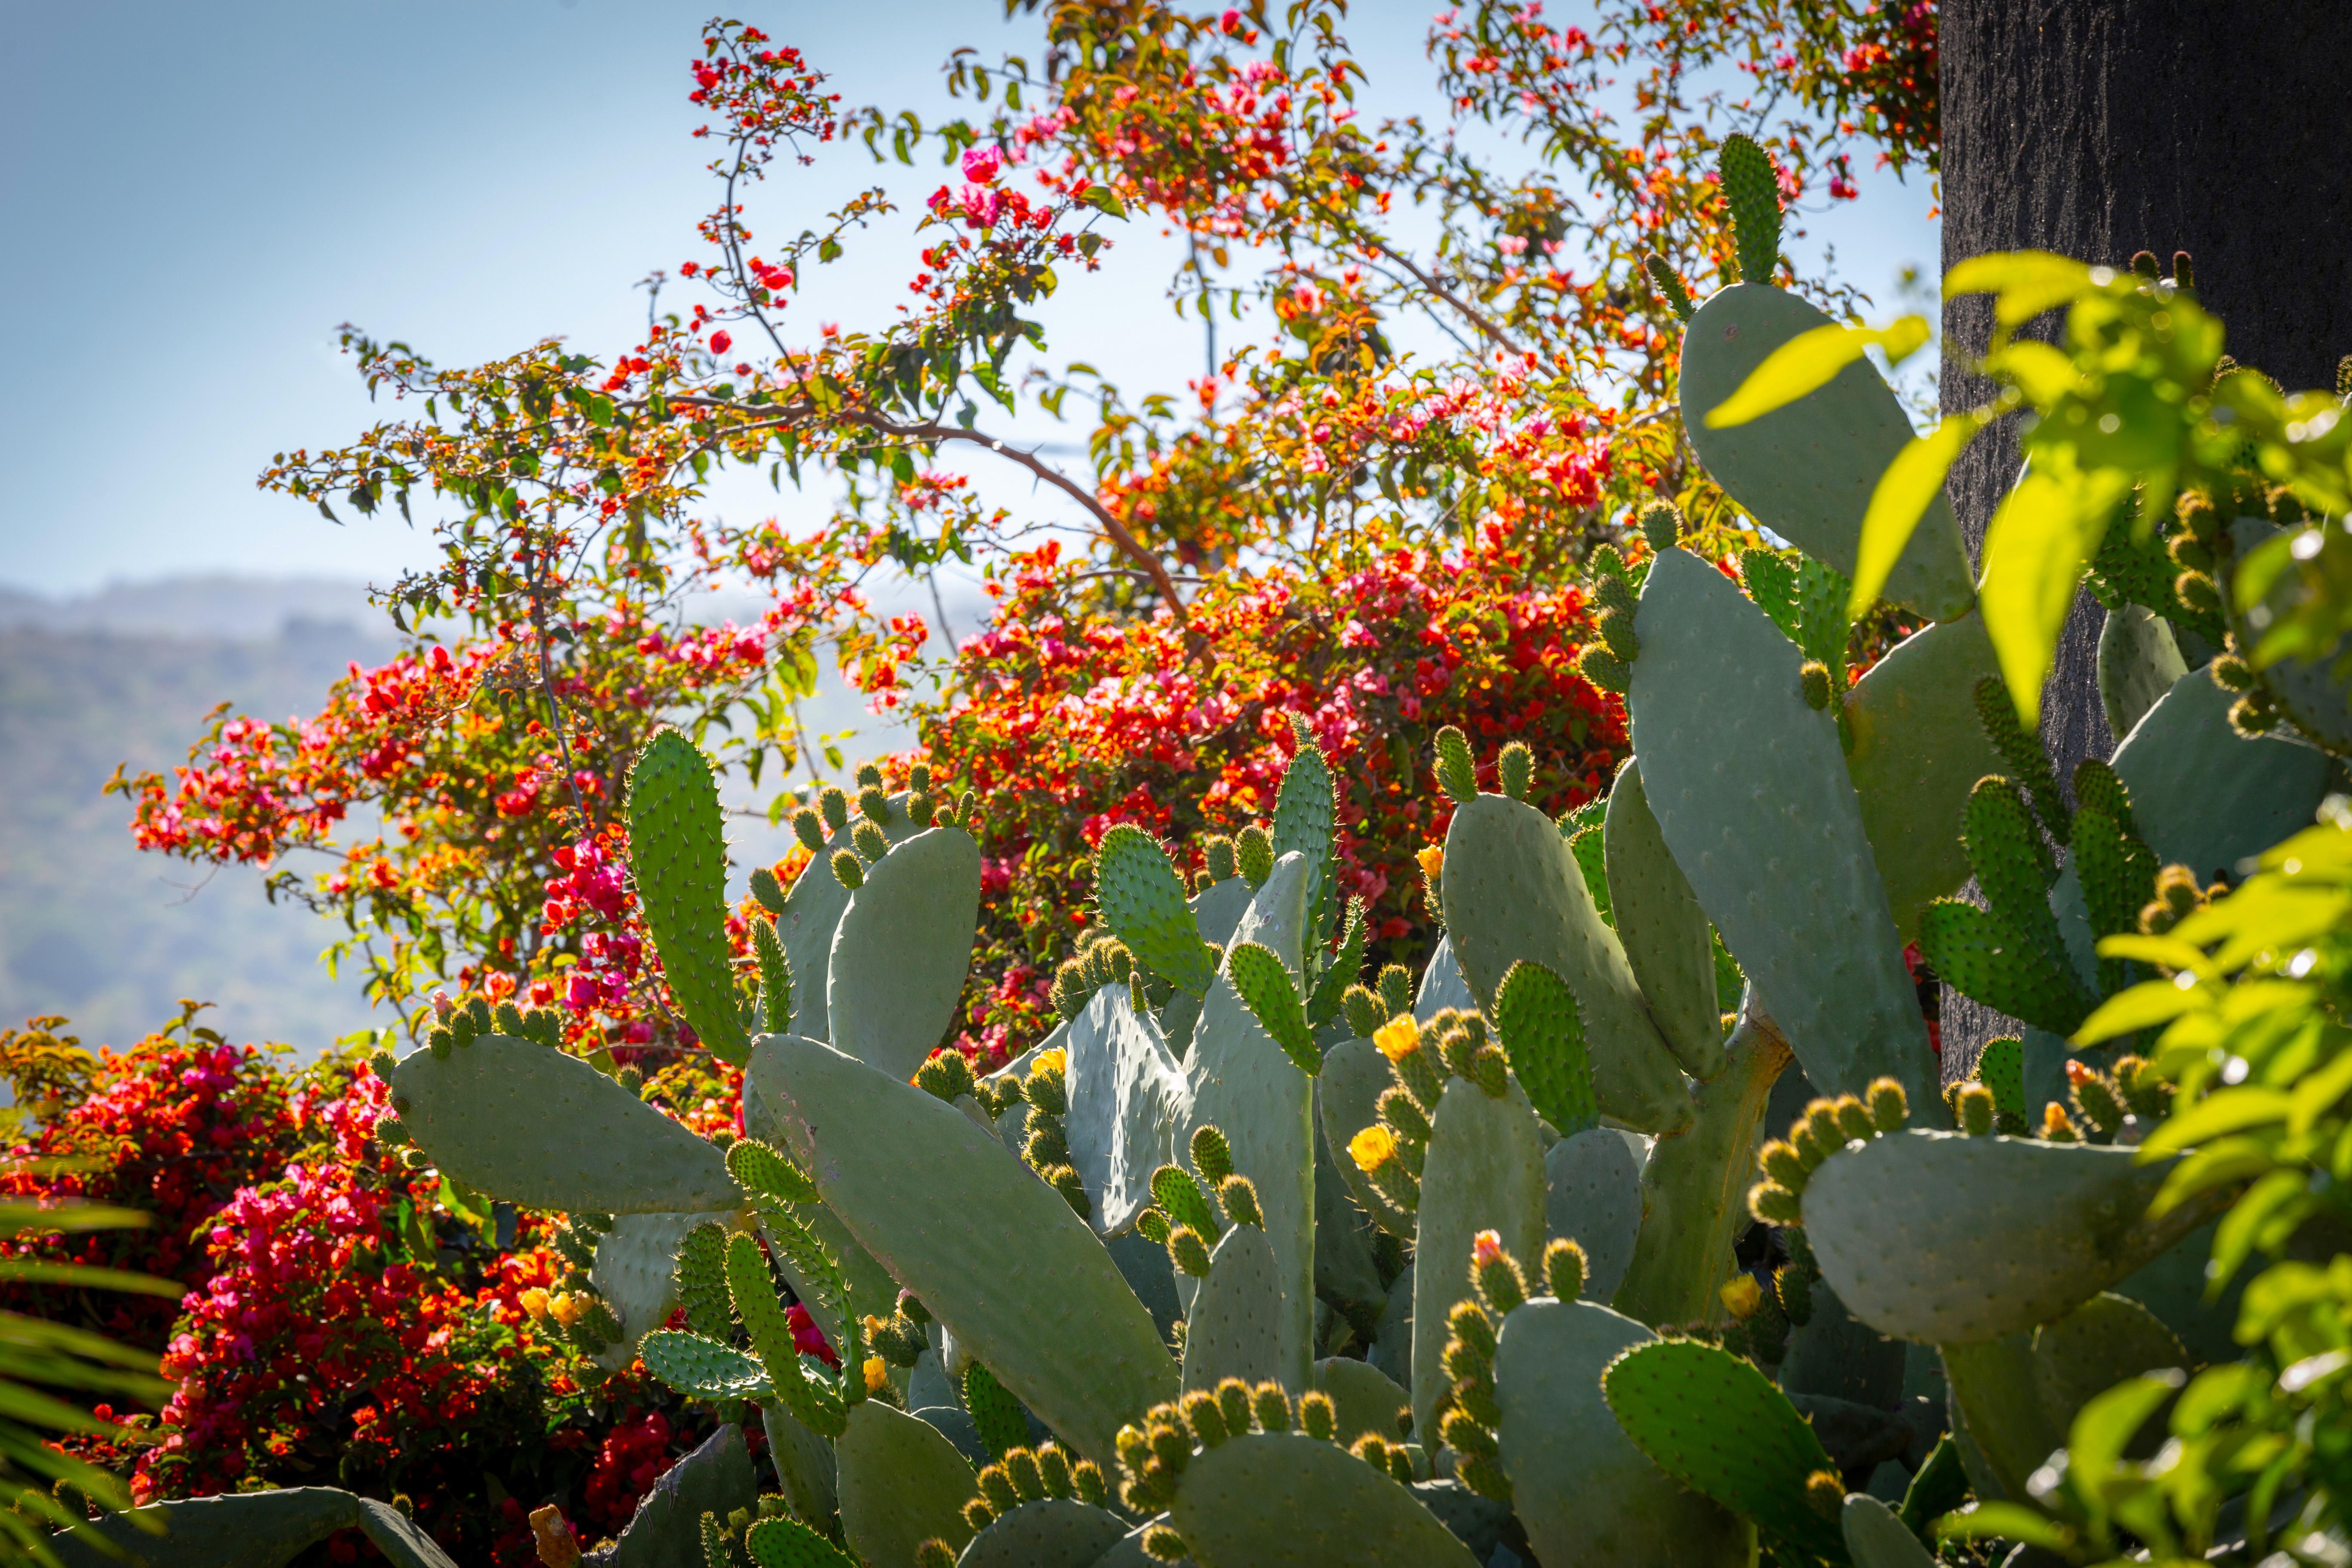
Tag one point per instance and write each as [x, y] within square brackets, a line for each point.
[91, 927]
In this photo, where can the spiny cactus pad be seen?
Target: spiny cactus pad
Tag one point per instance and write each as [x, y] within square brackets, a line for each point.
[1593, 1194]
[812, 913]
[705, 1369]
[247, 1529]
[1874, 1538]
[677, 857]
[1127, 1096]
[1052, 1532]
[1941, 1237]
[1483, 1172]
[903, 950]
[1355, 1074]
[1753, 191]
[1303, 811]
[1272, 995]
[1513, 891]
[1006, 1266]
[1236, 1326]
[1665, 935]
[900, 1484]
[1749, 788]
[2139, 659]
[637, 1273]
[1283, 1500]
[1588, 1497]
[1715, 1423]
[1807, 470]
[788, 1544]
[539, 1127]
[1143, 900]
[1542, 1037]
[1918, 751]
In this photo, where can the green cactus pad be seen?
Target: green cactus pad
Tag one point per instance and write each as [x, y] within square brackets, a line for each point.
[1272, 997]
[547, 1131]
[1998, 1417]
[2000, 1068]
[637, 1273]
[1243, 1083]
[1305, 809]
[2100, 1344]
[1917, 750]
[244, 1530]
[997, 1256]
[1588, 1497]
[1484, 1171]
[1695, 1188]
[788, 1543]
[1805, 599]
[667, 1528]
[1591, 848]
[812, 913]
[677, 857]
[1234, 1328]
[1753, 191]
[1807, 470]
[900, 1484]
[1592, 1195]
[1053, 1532]
[1442, 986]
[1984, 955]
[1143, 900]
[997, 1418]
[1941, 1237]
[902, 951]
[2139, 661]
[1713, 1421]
[1127, 1096]
[704, 1368]
[1749, 786]
[1664, 933]
[1269, 1499]
[1512, 891]
[1874, 1538]
[1542, 1037]
[1218, 909]
[1346, 1268]
[803, 1462]
[2172, 1287]
[2310, 691]
[1348, 1090]
[1363, 1398]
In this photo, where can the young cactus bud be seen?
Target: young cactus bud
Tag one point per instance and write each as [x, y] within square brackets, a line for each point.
[945, 1074]
[1375, 1151]
[508, 1020]
[1047, 1144]
[1396, 992]
[834, 806]
[1205, 1417]
[1662, 525]
[1457, 774]
[809, 830]
[1253, 852]
[847, 871]
[2149, 1097]
[935, 1554]
[1361, 1009]
[1211, 1156]
[2095, 1098]
[1612, 591]
[1233, 1399]
[2056, 1126]
[873, 805]
[1404, 1116]
[2028, 763]
[1470, 1326]
[1240, 1200]
[1565, 1268]
[1781, 1162]
[1853, 1118]
[1497, 1275]
[1616, 629]
[1795, 1289]
[1516, 767]
[1161, 1543]
[1046, 1087]
[1399, 1039]
[872, 842]
[1152, 1225]
[1021, 1468]
[1489, 1071]
[1813, 684]
[967, 812]
[1317, 1417]
[868, 777]
[1604, 670]
[1826, 1493]
[1669, 285]
[978, 1516]
[1087, 1481]
[1188, 1251]
[1972, 1108]
[921, 809]
[1890, 1111]
[1773, 1204]
[996, 1489]
[1271, 1405]
[767, 889]
[1822, 1121]
[2254, 714]
[1219, 859]
[1462, 1434]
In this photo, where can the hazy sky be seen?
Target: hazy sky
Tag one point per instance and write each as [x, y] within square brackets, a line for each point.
[195, 196]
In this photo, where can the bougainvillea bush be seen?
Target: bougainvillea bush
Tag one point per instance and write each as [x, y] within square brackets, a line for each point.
[349, 1322]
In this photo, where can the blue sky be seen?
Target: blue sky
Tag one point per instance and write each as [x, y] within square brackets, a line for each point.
[196, 196]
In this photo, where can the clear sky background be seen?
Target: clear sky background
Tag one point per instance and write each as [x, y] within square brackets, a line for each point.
[195, 196]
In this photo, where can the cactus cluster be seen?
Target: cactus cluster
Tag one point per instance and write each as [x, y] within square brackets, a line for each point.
[1228, 1269]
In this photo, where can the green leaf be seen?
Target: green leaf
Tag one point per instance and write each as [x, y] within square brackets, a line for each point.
[1905, 493]
[1103, 199]
[1810, 361]
[2004, 1522]
[2231, 1111]
[2040, 541]
[2027, 281]
[2141, 1007]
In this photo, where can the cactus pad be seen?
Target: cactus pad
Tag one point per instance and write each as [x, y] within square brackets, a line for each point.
[1917, 750]
[1512, 891]
[1753, 191]
[1235, 1327]
[902, 951]
[1269, 1499]
[900, 1484]
[1127, 1096]
[1052, 1532]
[677, 857]
[1588, 1497]
[1442, 985]
[538, 1128]
[244, 1530]
[1665, 935]
[1713, 1421]
[783, 1543]
[1874, 1538]
[667, 1528]
[1303, 811]
[1749, 788]
[1143, 900]
[2139, 660]
[1942, 1237]
[1348, 1092]
[637, 1273]
[1006, 1266]
[1542, 1037]
[1364, 1398]
[1272, 997]
[1807, 471]
[1592, 1195]
[703, 1368]
[812, 913]
[1484, 1171]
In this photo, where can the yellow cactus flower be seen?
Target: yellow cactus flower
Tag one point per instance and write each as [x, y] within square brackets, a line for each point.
[534, 1302]
[1399, 1037]
[1055, 1060]
[1433, 861]
[565, 1309]
[1742, 1294]
[1373, 1147]
[878, 1374]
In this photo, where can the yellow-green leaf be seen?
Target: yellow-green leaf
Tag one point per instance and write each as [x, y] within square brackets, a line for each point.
[2231, 1111]
[1904, 494]
[1810, 361]
[2141, 1007]
[2040, 540]
[2027, 281]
